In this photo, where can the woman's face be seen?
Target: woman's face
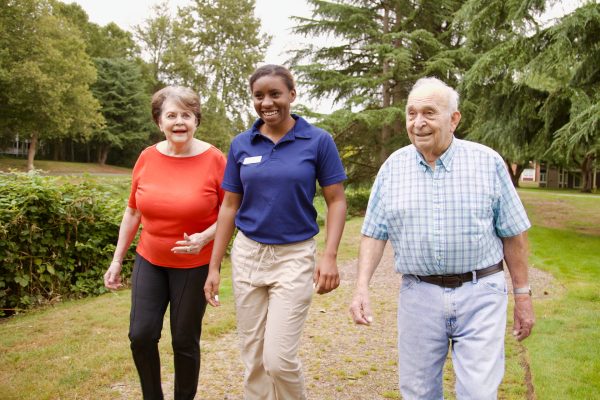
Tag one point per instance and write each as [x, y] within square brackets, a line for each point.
[272, 99]
[177, 123]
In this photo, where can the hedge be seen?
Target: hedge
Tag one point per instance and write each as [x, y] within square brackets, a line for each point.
[57, 237]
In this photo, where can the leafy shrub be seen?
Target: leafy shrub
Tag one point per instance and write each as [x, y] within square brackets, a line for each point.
[57, 237]
[357, 199]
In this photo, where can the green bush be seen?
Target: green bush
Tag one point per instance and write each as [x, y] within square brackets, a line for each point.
[357, 199]
[57, 237]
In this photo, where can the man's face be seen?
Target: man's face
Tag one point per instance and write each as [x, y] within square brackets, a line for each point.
[429, 123]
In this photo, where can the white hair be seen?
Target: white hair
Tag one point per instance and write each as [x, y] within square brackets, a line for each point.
[451, 94]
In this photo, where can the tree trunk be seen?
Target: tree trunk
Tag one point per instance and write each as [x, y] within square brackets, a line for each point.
[386, 130]
[72, 148]
[587, 173]
[33, 141]
[56, 151]
[102, 154]
[515, 173]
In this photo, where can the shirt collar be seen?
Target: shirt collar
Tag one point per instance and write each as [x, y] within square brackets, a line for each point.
[298, 131]
[445, 159]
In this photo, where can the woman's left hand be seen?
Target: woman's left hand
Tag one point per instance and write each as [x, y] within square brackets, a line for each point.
[326, 276]
[191, 244]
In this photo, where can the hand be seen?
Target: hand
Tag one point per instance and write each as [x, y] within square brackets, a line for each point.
[523, 317]
[360, 308]
[211, 288]
[191, 244]
[326, 276]
[112, 277]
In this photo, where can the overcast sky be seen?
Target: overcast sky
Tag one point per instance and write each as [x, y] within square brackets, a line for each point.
[274, 16]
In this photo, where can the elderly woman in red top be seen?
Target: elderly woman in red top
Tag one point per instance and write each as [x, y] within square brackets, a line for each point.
[175, 195]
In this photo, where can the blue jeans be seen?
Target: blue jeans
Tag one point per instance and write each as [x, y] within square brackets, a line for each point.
[471, 320]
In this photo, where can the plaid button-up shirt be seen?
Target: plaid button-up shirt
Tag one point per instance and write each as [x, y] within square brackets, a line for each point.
[446, 220]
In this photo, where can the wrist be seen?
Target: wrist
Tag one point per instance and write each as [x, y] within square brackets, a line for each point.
[330, 254]
[524, 290]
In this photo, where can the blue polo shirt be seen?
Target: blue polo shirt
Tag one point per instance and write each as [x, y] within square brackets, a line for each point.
[278, 181]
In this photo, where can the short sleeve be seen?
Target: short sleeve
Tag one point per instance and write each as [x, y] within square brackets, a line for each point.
[231, 179]
[375, 222]
[329, 167]
[135, 179]
[510, 218]
[220, 170]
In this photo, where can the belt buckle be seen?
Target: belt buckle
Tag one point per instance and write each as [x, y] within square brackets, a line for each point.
[452, 281]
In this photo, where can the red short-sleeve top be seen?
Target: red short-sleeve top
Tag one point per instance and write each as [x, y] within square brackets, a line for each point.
[176, 195]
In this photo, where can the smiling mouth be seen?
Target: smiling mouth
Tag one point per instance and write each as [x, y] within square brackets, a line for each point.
[270, 113]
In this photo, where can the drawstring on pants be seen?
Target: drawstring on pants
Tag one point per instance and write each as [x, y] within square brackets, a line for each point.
[265, 248]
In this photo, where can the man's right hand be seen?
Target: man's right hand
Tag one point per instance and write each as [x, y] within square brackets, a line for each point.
[360, 308]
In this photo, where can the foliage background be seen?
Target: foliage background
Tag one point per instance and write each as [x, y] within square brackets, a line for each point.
[57, 236]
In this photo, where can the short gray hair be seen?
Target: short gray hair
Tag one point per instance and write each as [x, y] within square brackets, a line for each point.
[451, 94]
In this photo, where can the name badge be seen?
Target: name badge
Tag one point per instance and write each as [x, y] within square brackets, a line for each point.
[252, 160]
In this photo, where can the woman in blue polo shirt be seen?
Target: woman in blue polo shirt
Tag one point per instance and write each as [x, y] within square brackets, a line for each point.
[270, 183]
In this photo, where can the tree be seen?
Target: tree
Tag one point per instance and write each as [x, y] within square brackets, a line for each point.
[502, 107]
[155, 35]
[120, 90]
[44, 93]
[379, 49]
[213, 47]
[109, 41]
[572, 49]
[536, 89]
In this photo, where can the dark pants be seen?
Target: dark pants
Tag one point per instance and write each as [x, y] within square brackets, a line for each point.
[153, 288]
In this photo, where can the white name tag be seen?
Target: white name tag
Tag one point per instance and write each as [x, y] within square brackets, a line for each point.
[252, 160]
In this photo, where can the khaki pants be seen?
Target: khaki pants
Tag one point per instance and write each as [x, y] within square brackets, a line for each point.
[273, 289]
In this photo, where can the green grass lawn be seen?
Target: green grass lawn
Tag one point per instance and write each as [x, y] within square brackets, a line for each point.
[76, 349]
[564, 349]
[60, 167]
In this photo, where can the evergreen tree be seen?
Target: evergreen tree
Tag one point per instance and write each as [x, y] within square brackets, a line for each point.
[567, 55]
[379, 49]
[501, 109]
[125, 107]
[535, 88]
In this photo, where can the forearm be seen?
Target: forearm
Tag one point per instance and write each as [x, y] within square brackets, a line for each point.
[516, 258]
[209, 233]
[127, 231]
[224, 229]
[336, 218]
[369, 256]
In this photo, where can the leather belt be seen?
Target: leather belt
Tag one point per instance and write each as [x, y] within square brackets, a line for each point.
[456, 280]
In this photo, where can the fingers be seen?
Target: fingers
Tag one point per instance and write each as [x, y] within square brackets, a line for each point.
[325, 282]
[522, 329]
[211, 291]
[112, 280]
[360, 310]
[187, 246]
[189, 249]
[524, 318]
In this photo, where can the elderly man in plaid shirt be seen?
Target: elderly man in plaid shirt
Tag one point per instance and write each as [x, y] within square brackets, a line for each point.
[452, 215]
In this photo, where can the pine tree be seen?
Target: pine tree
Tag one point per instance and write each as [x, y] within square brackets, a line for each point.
[125, 107]
[379, 49]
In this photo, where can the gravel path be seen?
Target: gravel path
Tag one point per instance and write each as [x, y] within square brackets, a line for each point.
[342, 361]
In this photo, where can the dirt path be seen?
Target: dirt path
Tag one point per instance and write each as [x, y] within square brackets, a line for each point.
[342, 361]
